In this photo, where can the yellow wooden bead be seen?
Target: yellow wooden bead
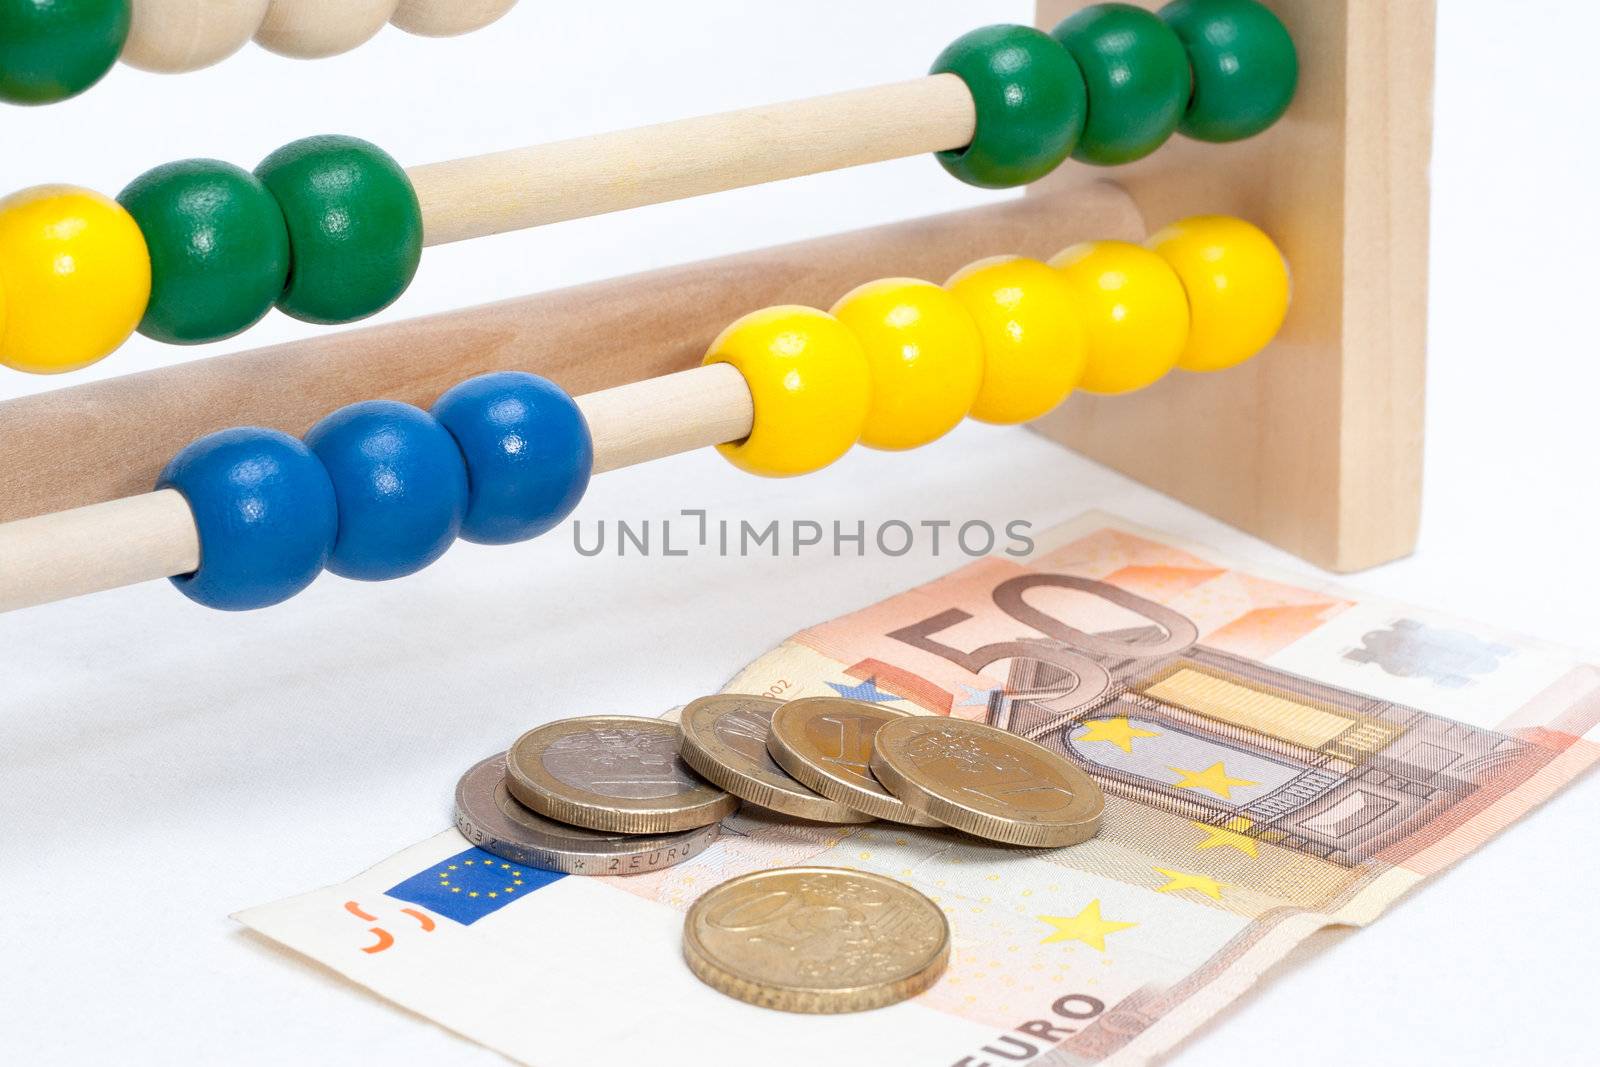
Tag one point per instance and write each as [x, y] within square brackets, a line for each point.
[809, 381]
[1033, 341]
[924, 355]
[1238, 286]
[76, 274]
[1135, 314]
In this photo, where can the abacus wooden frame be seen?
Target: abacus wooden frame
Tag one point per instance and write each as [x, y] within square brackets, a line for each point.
[1315, 446]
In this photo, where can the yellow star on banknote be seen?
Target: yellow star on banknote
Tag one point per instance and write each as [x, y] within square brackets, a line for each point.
[1178, 881]
[1229, 835]
[1119, 731]
[1214, 779]
[1086, 926]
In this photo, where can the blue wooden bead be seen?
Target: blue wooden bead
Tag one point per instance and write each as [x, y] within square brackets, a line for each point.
[401, 485]
[528, 451]
[265, 511]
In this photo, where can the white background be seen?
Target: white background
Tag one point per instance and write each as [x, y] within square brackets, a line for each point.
[161, 766]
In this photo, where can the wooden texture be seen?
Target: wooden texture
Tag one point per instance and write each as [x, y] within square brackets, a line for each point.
[447, 18]
[314, 29]
[103, 440]
[525, 187]
[173, 36]
[94, 548]
[656, 417]
[1316, 445]
[152, 535]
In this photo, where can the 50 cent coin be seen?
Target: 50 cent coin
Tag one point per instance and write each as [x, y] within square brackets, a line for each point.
[819, 940]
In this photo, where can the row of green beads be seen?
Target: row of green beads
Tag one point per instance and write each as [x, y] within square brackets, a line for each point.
[53, 49]
[328, 229]
[1113, 82]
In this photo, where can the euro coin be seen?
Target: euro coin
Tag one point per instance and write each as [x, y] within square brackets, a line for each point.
[613, 773]
[987, 782]
[818, 940]
[826, 744]
[725, 740]
[490, 817]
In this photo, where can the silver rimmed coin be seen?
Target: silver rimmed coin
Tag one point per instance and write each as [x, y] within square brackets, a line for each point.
[826, 744]
[614, 773]
[490, 817]
[819, 940]
[725, 740]
[987, 782]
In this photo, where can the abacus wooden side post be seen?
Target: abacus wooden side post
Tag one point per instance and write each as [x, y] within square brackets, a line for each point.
[96, 442]
[1316, 445]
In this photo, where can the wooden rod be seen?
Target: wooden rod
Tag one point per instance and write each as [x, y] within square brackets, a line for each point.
[526, 187]
[96, 442]
[95, 548]
[663, 416]
[153, 535]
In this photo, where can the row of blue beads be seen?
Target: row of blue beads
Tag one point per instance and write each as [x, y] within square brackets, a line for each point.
[380, 489]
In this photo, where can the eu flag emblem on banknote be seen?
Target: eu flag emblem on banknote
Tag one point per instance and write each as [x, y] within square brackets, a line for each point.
[470, 885]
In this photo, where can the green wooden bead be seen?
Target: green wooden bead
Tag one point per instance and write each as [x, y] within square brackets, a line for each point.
[355, 227]
[53, 49]
[1030, 104]
[1137, 75]
[1245, 68]
[219, 250]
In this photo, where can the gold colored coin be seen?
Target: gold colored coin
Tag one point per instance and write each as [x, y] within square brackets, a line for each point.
[826, 744]
[818, 940]
[725, 740]
[987, 782]
[614, 773]
[489, 817]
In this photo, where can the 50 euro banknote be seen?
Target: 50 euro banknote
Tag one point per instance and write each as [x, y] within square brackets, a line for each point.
[1278, 756]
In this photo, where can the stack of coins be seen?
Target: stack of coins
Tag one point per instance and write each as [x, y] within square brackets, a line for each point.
[832, 759]
[602, 795]
[614, 794]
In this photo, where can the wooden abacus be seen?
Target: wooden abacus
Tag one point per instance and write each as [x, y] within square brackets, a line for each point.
[1316, 448]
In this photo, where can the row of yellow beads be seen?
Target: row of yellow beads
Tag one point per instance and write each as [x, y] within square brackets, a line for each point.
[899, 363]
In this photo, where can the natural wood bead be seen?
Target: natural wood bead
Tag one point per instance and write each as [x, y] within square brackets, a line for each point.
[174, 36]
[448, 18]
[312, 29]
